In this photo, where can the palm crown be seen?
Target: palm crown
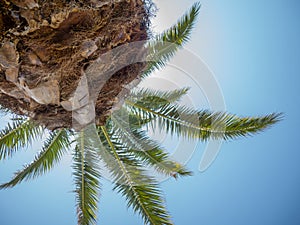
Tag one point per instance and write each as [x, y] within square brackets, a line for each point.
[122, 145]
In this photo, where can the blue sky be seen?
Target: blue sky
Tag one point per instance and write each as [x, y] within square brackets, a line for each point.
[253, 49]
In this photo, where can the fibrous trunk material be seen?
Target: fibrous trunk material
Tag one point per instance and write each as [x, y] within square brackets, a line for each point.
[47, 46]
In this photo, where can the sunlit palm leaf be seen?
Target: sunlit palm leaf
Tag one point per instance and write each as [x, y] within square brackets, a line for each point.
[143, 148]
[16, 135]
[165, 45]
[186, 122]
[156, 99]
[141, 191]
[54, 148]
[86, 175]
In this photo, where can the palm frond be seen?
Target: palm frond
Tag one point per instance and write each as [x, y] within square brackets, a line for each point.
[202, 125]
[16, 135]
[143, 148]
[165, 45]
[54, 148]
[141, 191]
[155, 98]
[86, 175]
[136, 121]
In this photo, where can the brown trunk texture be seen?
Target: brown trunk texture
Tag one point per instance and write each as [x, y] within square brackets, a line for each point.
[47, 46]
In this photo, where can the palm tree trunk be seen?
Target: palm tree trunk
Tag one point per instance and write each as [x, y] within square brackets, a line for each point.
[46, 47]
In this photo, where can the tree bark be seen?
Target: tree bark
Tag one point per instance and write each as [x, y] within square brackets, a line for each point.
[46, 47]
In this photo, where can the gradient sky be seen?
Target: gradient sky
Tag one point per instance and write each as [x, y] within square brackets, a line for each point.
[253, 49]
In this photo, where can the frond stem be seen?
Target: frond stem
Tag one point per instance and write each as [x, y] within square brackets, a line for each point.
[82, 169]
[124, 171]
[18, 127]
[170, 118]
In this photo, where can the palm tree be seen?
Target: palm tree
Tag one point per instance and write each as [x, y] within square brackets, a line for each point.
[121, 144]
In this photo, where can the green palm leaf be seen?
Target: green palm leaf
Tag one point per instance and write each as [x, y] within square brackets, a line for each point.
[86, 175]
[202, 125]
[54, 148]
[143, 148]
[141, 191]
[17, 135]
[156, 99]
[157, 158]
[165, 45]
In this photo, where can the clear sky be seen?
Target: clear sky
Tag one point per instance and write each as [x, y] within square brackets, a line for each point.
[253, 49]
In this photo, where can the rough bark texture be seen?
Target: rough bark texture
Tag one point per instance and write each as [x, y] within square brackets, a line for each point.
[47, 46]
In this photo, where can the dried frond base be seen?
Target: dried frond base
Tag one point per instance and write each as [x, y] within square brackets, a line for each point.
[46, 46]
